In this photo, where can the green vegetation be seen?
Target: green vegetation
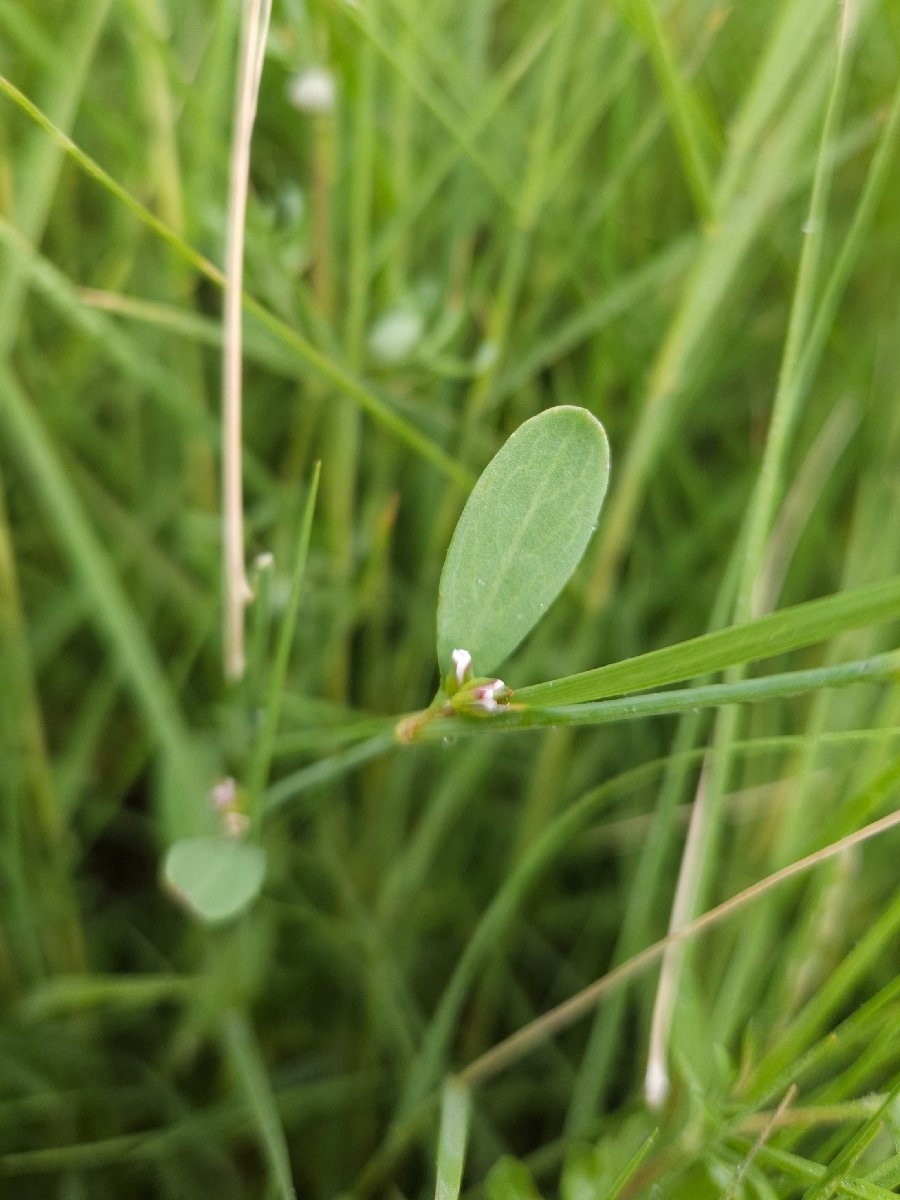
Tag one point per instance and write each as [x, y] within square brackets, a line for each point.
[365, 923]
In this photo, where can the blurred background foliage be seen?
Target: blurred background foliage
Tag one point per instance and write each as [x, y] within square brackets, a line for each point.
[505, 207]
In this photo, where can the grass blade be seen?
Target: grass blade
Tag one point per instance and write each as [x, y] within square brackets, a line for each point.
[779, 632]
[451, 1155]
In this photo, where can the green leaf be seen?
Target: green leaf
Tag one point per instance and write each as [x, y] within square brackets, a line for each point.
[521, 535]
[510, 1179]
[455, 1114]
[216, 877]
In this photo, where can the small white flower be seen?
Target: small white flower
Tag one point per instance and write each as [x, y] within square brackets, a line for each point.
[396, 334]
[462, 665]
[485, 357]
[313, 90]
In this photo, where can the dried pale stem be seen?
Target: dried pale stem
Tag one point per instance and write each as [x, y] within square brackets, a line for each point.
[237, 590]
[656, 1077]
[541, 1030]
[771, 1124]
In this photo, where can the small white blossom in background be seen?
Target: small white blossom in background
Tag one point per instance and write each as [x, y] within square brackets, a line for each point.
[224, 795]
[290, 204]
[485, 357]
[313, 90]
[395, 335]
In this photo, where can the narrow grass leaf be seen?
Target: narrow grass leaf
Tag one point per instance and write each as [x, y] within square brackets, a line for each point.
[880, 668]
[111, 612]
[803, 1169]
[326, 770]
[79, 993]
[842, 1165]
[308, 354]
[510, 1179]
[789, 629]
[455, 1110]
[248, 1062]
[521, 534]
[265, 744]
[631, 1166]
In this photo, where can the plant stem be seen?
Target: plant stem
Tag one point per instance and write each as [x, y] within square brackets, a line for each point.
[655, 704]
[237, 590]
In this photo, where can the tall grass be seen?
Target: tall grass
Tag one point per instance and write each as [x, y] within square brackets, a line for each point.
[679, 215]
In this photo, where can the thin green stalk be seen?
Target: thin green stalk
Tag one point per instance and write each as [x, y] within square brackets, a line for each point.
[658, 272]
[114, 619]
[360, 214]
[85, 313]
[526, 216]
[525, 1040]
[593, 1080]
[161, 107]
[327, 770]
[740, 221]
[873, 947]
[451, 1155]
[305, 351]
[654, 704]
[789, 395]
[343, 428]
[754, 949]
[32, 188]
[26, 785]
[265, 742]
[791, 44]
[843, 1163]
[40, 168]
[809, 355]
[631, 1166]
[801, 1169]
[513, 890]
[788, 629]
[18, 673]
[598, 221]
[249, 1066]
[390, 250]
[704, 839]
[682, 104]
[66, 994]
[411, 72]
[508, 900]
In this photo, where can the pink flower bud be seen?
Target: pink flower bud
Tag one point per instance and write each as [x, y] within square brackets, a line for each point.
[224, 795]
[485, 696]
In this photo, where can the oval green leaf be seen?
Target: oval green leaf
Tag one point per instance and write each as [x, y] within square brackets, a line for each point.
[521, 535]
[216, 877]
